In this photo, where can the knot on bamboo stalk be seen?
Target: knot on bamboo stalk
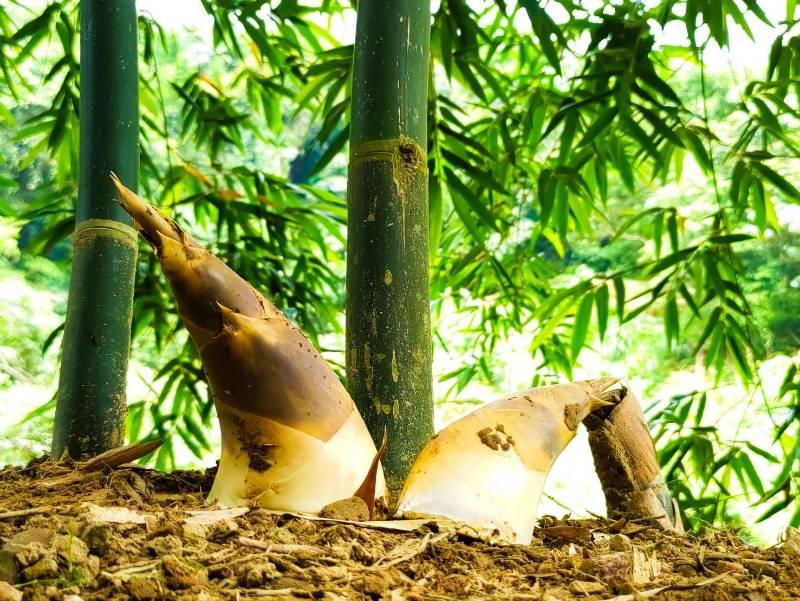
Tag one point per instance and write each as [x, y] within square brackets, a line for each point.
[91, 229]
[408, 159]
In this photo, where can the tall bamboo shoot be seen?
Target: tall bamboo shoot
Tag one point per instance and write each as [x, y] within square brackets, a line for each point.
[292, 438]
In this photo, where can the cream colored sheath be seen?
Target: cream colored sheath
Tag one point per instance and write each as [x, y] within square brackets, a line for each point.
[487, 469]
[292, 439]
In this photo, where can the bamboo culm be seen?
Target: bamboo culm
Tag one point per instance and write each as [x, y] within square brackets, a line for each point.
[91, 401]
[389, 348]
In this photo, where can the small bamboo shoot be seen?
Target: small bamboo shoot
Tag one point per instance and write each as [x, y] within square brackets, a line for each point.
[487, 469]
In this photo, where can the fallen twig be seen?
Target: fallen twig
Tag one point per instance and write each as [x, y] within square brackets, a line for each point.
[120, 455]
[111, 458]
[6, 515]
[276, 592]
[212, 516]
[116, 514]
[670, 587]
[262, 592]
[385, 525]
[135, 567]
[418, 550]
[565, 532]
[235, 560]
[280, 547]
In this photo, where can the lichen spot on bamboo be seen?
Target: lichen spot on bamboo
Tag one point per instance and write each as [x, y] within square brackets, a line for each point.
[370, 370]
[387, 278]
[395, 370]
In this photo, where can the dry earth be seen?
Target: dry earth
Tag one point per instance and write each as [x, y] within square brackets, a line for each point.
[130, 533]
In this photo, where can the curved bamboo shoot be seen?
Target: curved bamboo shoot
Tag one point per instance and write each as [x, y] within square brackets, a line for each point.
[292, 439]
[487, 469]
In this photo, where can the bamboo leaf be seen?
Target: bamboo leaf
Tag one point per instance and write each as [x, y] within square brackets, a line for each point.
[672, 228]
[601, 302]
[462, 191]
[739, 356]
[671, 260]
[545, 29]
[687, 296]
[695, 144]
[436, 214]
[752, 474]
[547, 195]
[580, 328]
[737, 175]
[776, 179]
[550, 326]
[775, 508]
[729, 238]
[671, 321]
[632, 220]
[619, 289]
[598, 126]
[753, 6]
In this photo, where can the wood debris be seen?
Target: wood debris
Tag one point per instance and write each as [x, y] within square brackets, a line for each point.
[7, 515]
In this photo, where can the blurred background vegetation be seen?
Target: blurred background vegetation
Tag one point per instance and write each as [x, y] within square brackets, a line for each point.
[613, 191]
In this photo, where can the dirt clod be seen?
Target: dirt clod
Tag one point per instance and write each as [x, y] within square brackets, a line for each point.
[30, 536]
[145, 588]
[353, 508]
[496, 439]
[791, 543]
[71, 549]
[181, 574]
[375, 585]
[193, 530]
[619, 542]
[164, 545]
[97, 537]
[43, 569]
[9, 593]
[27, 555]
[580, 587]
[257, 573]
[9, 572]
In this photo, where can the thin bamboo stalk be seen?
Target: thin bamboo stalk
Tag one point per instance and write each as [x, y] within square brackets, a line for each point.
[91, 405]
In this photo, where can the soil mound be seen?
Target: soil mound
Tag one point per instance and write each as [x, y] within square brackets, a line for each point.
[131, 533]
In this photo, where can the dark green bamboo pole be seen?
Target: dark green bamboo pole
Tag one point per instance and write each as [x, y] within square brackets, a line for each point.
[91, 405]
[388, 309]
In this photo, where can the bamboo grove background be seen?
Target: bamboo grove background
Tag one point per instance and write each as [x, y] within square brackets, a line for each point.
[552, 130]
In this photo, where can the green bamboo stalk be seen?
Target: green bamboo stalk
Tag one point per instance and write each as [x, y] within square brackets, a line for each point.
[389, 344]
[91, 403]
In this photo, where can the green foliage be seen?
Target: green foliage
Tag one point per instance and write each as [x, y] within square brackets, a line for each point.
[552, 130]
